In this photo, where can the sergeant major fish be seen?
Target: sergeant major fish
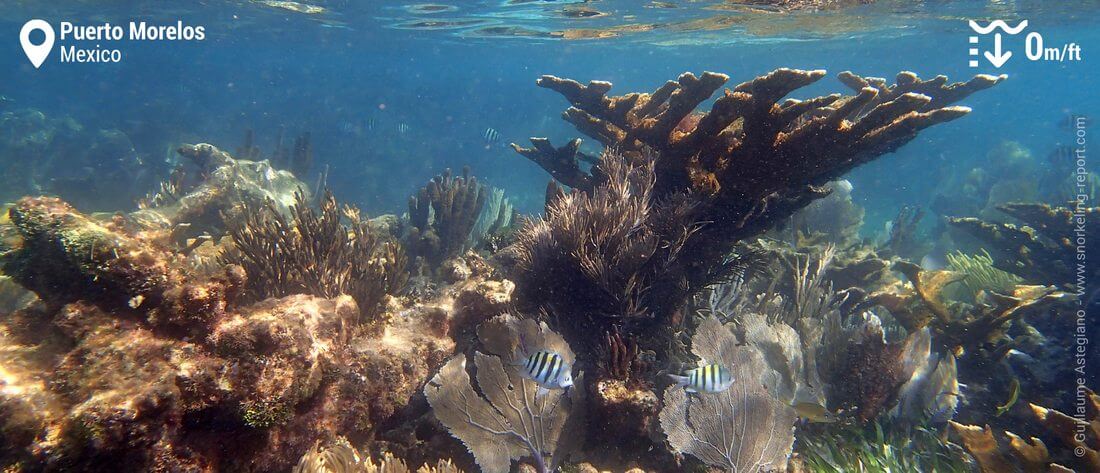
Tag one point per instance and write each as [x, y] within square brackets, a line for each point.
[492, 137]
[710, 378]
[547, 369]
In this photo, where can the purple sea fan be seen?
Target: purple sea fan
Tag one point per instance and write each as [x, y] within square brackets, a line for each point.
[746, 428]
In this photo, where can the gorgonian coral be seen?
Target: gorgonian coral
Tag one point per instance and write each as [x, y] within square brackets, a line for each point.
[443, 215]
[658, 219]
[745, 428]
[314, 253]
[610, 255]
[502, 419]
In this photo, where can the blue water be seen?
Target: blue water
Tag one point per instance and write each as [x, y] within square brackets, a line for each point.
[261, 68]
[395, 93]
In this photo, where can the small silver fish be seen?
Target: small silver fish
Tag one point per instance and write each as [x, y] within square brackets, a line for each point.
[547, 369]
[710, 378]
[402, 128]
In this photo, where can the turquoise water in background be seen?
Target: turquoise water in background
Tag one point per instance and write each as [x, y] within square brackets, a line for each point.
[393, 94]
[339, 73]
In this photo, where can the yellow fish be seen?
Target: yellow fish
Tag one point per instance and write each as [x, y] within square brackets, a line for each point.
[814, 412]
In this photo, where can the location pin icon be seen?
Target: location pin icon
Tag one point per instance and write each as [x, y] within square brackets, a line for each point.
[37, 53]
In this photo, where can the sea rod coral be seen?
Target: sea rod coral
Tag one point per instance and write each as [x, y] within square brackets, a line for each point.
[692, 185]
[313, 253]
[137, 362]
[442, 216]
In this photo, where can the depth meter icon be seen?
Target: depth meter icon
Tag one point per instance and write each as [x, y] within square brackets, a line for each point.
[36, 53]
[998, 57]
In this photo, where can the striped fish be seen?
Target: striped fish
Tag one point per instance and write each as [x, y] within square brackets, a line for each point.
[491, 137]
[709, 378]
[549, 370]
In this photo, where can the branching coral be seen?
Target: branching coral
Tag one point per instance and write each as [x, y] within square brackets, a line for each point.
[443, 215]
[1044, 249]
[502, 420]
[686, 188]
[1079, 434]
[745, 428]
[961, 325]
[313, 253]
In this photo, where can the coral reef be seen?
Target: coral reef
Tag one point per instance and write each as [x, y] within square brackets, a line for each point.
[64, 256]
[744, 428]
[1075, 442]
[313, 253]
[1043, 250]
[142, 350]
[688, 187]
[341, 457]
[502, 419]
[965, 326]
[831, 353]
[442, 217]
[139, 362]
[215, 189]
